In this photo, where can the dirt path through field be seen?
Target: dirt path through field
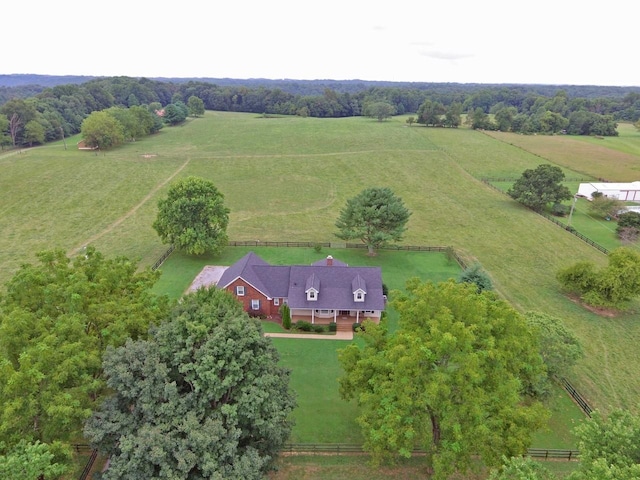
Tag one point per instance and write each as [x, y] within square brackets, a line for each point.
[130, 212]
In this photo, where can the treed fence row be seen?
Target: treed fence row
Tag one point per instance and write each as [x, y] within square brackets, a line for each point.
[257, 243]
[568, 228]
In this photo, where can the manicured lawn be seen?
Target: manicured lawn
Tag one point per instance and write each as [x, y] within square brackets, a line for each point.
[397, 266]
[565, 415]
[322, 417]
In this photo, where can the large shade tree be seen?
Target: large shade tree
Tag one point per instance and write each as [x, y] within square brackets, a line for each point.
[376, 216]
[193, 217]
[538, 187]
[451, 379]
[204, 397]
[102, 130]
[31, 461]
[609, 447]
[56, 319]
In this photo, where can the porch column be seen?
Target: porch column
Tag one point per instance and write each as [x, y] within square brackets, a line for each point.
[313, 315]
[335, 316]
[357, 316]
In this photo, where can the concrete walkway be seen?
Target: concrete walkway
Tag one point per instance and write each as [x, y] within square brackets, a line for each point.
[310, 336]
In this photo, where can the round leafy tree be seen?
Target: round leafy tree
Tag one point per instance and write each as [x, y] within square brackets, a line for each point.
[376, 216]
[450, 379]
[193, 217]
[537, 188]
[204, 397]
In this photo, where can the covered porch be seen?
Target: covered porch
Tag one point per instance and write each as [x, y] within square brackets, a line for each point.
[325, 317]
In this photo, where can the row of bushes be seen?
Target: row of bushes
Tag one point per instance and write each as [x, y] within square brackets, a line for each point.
[305, 326]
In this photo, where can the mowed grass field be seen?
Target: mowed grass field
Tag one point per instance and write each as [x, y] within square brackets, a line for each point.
[287, 179]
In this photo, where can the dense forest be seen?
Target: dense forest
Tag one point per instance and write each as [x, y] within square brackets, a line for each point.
[36, 109]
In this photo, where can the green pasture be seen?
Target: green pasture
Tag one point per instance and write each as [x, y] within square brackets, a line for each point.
[595, 228]
[287, 179]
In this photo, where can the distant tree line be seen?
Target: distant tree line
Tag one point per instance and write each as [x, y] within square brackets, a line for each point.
[31, 115]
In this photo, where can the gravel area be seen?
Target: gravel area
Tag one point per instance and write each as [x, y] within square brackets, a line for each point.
[209, 275]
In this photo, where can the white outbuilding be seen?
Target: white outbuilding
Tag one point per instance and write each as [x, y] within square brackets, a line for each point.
[627, 192]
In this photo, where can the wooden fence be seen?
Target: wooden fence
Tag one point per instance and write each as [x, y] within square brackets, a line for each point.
[163, 257]
[89, 465]
[554, 220]
[356, 449]
[256, 243]
[579, 399]
[352, 449]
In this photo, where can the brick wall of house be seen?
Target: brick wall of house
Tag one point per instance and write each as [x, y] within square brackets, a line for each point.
[267, 307]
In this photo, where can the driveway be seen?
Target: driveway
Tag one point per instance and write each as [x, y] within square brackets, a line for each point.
[209, 275]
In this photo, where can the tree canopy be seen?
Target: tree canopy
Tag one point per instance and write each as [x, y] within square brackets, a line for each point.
[612, 286]
[451, 379]
[193, 217]
[521, 468]
[56, 320]
[476, 274]
[102, 130]
[609, 447]
[196, 106]
[30, 461]
[376, 216]
[604, 206]
[203, 397]
[538, 187]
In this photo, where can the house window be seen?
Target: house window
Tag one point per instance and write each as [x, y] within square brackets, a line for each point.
[312, 295]
[255, 304]
[276, 301]
[240, 291]
[358, 296]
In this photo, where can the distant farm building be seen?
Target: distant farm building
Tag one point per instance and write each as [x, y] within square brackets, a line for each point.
[626, 192]
[83, 146]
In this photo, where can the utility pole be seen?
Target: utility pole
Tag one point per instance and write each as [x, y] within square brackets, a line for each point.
[63, 140]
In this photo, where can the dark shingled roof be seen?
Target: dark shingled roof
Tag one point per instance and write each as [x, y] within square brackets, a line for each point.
[335, 285]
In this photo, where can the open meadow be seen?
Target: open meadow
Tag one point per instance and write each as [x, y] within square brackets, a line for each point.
[286, 179]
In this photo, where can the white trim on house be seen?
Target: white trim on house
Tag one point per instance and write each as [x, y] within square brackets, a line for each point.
[248, 283]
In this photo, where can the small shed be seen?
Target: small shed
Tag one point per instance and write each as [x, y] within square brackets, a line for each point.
[627, 192]
[83, 146]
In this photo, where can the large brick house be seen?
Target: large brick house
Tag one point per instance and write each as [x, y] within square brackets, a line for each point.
[326, 291]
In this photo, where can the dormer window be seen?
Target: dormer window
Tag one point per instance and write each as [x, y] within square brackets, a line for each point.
[359, 289]
[312, 288]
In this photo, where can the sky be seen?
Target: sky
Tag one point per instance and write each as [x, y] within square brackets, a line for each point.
[556, 42]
